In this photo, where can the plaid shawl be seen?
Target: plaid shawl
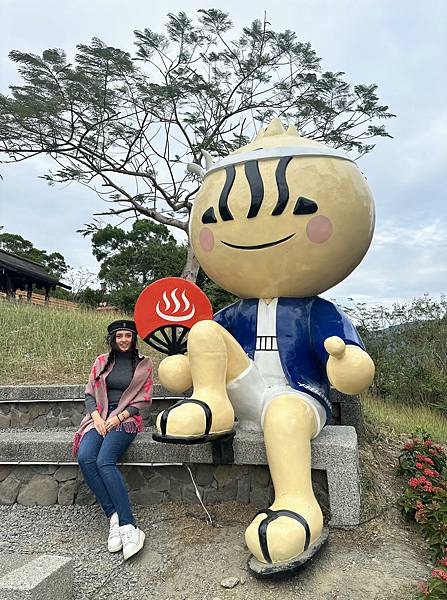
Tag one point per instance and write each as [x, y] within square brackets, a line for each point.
[138, 394]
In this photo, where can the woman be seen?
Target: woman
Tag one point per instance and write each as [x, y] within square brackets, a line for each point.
[120, 383]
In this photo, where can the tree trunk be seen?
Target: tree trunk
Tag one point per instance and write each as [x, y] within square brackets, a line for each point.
[191, 268]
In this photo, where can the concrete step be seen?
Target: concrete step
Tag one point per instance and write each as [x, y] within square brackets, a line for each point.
[335, 451]
[54, 446]
[35, 577]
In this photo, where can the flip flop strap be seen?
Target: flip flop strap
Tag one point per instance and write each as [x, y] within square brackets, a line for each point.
[271, 516]
[206, 410]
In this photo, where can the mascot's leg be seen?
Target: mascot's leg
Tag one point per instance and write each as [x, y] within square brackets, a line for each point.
[214, 357]
[283, 537]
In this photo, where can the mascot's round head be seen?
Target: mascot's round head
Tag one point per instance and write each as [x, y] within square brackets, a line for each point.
[282, 216]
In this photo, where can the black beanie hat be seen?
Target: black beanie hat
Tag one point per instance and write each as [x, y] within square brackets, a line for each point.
[122, 324]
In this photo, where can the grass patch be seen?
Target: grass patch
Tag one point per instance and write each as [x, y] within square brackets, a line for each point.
[405, 419]
[48, 345]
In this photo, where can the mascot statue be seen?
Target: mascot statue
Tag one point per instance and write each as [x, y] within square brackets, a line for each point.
[276, 222]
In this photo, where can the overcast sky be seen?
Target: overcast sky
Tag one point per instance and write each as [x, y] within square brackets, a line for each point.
[400, 45]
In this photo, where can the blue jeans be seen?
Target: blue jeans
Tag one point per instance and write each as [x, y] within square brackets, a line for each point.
[97, 459]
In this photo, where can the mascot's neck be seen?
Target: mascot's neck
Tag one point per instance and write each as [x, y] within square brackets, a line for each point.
[267, 300]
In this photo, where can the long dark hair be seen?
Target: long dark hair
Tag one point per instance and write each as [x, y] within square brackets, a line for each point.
[114, 350]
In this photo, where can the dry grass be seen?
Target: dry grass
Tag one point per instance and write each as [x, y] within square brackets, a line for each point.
[48, 345]
[405, 419]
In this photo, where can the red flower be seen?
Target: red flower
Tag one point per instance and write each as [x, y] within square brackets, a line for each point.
[423, 458]
[423, 588]
[413, 482]
[431, 473]
[419, 516]
[442, 561]
[419, 465]
[439, 573]
[420, 505]
[428, 442]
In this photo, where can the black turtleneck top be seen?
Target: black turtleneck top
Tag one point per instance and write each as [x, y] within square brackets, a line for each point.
[118, 380]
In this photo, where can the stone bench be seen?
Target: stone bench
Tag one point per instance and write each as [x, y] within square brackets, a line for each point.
[35, 577]
[335, 452]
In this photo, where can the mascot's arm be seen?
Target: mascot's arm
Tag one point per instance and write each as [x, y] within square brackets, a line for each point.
[349, 368]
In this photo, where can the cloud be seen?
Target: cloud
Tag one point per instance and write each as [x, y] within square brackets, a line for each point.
[433, 234]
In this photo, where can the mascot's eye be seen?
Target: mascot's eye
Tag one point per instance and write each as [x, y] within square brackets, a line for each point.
[304, 206]
[209, 216]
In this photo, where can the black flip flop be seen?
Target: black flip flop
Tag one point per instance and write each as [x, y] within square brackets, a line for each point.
[222, 442]
[286, 569]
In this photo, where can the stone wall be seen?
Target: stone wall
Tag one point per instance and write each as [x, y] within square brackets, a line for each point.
[38, 407]
[51, 484]
[57, 415]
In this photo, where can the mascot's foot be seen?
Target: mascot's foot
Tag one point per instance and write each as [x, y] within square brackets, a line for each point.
[191, 421]
[287, 569]
[282, 541]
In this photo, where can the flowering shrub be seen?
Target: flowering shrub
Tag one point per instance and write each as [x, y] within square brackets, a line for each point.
[425, 501]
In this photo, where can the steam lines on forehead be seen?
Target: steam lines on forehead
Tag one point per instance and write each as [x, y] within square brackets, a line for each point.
[224, 211]
[283, 188]
[253, 176]
[256, 187]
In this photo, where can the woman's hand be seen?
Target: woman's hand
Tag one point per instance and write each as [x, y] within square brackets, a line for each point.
[99, 423]
[111, 423]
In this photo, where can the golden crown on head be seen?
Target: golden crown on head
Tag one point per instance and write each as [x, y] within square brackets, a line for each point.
[276, 128]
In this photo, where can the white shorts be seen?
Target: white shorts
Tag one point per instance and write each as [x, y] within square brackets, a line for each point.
[250, 397]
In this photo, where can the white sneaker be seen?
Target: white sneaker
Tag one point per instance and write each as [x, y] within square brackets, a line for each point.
[114, 543]
[132, 539]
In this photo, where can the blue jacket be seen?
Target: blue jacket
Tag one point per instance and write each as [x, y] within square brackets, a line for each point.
[302, 325]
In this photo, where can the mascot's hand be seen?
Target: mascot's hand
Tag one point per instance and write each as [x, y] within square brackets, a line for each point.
[174, 373]
[349, 368]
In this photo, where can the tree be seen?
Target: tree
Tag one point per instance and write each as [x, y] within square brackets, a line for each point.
[79, 279]
[126, 126]
[131, 260]
[54, 263]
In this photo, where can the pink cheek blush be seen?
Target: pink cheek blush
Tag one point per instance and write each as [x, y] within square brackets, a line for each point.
[319, 230]
[206, 239]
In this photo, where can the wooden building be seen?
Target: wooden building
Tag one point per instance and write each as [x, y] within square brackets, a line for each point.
[17, 273]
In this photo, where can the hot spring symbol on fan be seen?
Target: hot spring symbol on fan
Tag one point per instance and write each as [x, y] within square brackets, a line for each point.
[169, 314]
[167, 309]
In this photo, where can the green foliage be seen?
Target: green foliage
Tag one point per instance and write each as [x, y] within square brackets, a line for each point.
[54, 263]
[425, 501]
[407, 344]
[90, 298]
[131, 260]
[128, 124]
[218, 297]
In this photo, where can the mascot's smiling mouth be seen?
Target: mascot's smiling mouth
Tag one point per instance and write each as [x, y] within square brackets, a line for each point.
[259, 246]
